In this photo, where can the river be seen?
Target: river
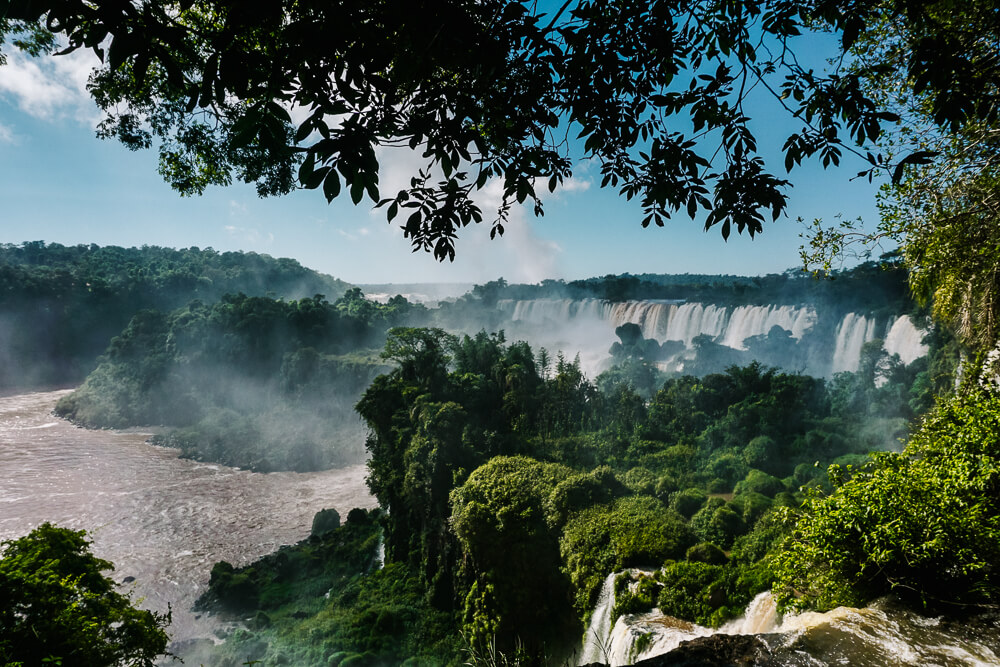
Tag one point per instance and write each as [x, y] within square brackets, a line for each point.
[160, 519]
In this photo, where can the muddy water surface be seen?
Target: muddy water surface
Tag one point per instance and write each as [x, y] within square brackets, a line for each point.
[158, 518]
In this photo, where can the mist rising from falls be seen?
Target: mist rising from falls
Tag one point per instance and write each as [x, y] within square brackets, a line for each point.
[747, 321]
[818, 343]
[902, 337]
[852, 333]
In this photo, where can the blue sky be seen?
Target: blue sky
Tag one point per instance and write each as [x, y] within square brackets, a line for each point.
[59, 183]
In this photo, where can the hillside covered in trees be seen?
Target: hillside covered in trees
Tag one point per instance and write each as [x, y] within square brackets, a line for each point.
[61, 305]
[249, 381]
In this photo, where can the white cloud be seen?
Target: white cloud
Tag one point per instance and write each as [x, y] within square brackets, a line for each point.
[7, 135]
[574, 184]
[249, 236]
[51, 87]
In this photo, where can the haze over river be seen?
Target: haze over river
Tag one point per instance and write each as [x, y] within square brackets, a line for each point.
[158, 518]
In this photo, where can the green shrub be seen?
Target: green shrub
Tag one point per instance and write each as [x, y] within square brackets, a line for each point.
[324, 521]
[758, 481]
[688, 501]
[634, 531]
[690, 591]
[706, 552]
[925, 522]
[751, 506]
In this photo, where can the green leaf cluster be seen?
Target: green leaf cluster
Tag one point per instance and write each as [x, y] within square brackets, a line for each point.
[58, 606]
[924, 524]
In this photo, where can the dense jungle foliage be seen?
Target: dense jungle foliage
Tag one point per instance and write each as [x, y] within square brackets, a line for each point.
[60, 305]
[512, 486]
[328, 600]
[249, 381]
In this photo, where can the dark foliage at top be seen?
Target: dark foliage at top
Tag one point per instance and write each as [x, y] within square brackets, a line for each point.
[653, 92]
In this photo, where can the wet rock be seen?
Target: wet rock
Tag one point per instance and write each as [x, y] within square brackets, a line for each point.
[714, 651]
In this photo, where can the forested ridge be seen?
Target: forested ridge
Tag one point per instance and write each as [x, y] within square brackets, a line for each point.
[871, 286]
[61, 305]
[248, 381]
[510, 483]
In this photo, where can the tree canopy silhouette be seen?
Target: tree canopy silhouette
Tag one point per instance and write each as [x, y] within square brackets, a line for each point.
[307, 93]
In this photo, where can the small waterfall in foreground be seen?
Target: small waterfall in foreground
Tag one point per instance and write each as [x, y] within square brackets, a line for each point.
[634, 637]
[876, 636]
[599, 630]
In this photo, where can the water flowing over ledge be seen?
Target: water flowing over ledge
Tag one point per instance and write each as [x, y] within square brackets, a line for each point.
[587, 326]
[880, 635]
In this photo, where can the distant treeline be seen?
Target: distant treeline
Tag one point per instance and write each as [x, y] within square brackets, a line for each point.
[60, 306]
[248, 381]
[870, 287]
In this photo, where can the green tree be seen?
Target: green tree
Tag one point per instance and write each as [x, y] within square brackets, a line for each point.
[57, 605]
[924, 523]
[512, 586]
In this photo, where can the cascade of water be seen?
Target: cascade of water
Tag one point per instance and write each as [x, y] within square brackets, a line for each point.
[852, 333]
[749, 321]
[905, 339]
[640, 636]
[694, 319]
[595, 641]
[575, 325]
[876, 636]
[761, 616]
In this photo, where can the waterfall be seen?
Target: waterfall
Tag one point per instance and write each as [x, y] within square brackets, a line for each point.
[664, 320]
[587, 326]
[876, 635]
[852, 333]
[694, 319]
[599, 631]
[630, 638]
[905, 339]
[760, 617]
[747, 321]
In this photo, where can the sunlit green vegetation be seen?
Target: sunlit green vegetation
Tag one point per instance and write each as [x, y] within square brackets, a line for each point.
[513, 487]
[924, 524]
[59, 608]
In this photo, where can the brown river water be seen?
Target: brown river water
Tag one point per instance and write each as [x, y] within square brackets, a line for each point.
[160, 519]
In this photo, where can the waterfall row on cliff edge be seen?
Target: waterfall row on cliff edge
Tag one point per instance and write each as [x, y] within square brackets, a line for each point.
[664, 320]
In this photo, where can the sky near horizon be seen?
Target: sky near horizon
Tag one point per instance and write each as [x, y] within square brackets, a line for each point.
[59, 183]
